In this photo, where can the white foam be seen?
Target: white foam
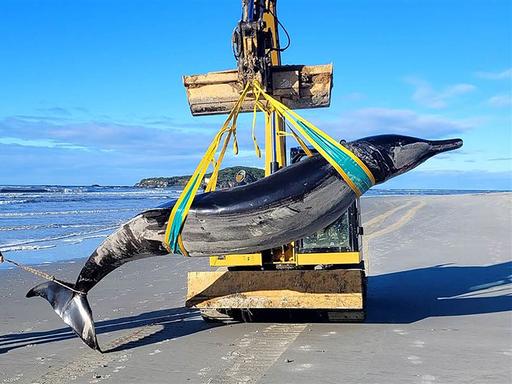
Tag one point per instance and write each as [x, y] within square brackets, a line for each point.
[44, 226]
[27, 247]
[83, 235]
[73, 212]
[5, 202]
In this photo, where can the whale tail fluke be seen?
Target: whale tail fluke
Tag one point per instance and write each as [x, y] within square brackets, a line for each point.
[72, 307]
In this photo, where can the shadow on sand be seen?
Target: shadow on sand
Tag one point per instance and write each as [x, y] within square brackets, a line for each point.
[175, 322]
[441, 290]
[400, 297]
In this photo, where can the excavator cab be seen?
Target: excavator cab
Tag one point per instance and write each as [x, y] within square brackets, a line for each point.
[341, 237]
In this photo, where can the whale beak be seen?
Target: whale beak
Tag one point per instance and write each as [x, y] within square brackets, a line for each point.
[439, 146]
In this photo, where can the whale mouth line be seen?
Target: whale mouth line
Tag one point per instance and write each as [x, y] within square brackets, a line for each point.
[439, 146]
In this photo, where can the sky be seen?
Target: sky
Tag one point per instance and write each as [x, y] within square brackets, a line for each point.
[91, 90]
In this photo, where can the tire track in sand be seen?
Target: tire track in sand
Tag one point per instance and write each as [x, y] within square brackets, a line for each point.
[404, 219]
[89, 362]
[383, 216]
[253, 356]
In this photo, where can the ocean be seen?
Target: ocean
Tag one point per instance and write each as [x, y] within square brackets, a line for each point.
[44, 224]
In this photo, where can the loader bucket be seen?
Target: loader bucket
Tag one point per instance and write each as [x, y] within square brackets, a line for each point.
[296, 86]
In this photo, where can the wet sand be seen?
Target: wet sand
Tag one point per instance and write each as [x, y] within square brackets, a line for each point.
[439, 311]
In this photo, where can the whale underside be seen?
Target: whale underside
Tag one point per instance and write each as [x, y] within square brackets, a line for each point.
[295, 202]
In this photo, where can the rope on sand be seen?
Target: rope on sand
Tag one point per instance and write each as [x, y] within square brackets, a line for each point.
[38, 273]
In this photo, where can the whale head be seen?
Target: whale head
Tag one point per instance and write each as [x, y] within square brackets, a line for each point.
[391, 155]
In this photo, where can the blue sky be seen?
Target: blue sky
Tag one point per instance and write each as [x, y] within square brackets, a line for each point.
[91, 91]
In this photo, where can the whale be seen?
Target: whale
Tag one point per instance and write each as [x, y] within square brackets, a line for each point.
[292, 203]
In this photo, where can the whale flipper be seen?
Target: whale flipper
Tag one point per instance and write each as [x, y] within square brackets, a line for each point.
[72, 307]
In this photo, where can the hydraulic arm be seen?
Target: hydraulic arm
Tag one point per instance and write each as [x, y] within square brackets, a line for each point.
[257, 52]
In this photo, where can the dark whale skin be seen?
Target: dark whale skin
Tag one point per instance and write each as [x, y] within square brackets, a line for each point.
[294, 202]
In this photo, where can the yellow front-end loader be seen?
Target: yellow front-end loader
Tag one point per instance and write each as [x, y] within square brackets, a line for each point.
[320, 277]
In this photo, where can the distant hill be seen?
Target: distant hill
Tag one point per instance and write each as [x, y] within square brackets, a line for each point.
[226, 179]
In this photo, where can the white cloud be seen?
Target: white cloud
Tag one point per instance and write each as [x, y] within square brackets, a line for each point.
[60, 111]
[38, 143]
[102, 136]
[174, 142]
[354, 96]
[121, 153]
[371, 121]
[425, 95]
[503, 100]
[506, 74]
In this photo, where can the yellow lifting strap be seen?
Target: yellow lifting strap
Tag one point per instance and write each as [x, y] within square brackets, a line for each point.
[353, 171]
[182, 205]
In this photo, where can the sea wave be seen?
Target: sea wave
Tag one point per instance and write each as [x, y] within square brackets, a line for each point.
[82, 198]
[6, 189]
[46, 226]
[71, 212]
[96, 233]
[78, 240]
[5, 202]
[67, 218]
[15, 248]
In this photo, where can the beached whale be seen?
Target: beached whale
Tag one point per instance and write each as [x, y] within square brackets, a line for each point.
[293, 203]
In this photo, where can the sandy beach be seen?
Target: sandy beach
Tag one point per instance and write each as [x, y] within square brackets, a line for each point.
[439, 311]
